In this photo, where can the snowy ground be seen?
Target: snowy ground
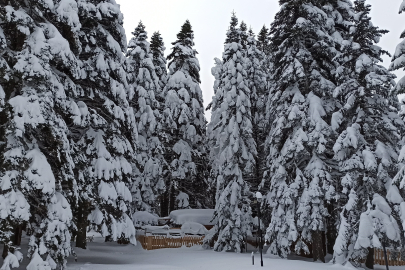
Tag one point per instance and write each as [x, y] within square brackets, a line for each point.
[112, 256]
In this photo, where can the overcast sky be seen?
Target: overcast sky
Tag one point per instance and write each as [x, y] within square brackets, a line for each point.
[210, 20]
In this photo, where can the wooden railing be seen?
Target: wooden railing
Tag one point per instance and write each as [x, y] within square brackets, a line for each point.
[379, 258]
[157, 242]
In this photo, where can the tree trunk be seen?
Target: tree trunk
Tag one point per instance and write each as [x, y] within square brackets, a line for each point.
[317, 246]
[108, 238]
[331, 233]
[172, 199]
[164, 204]
[5, 251]
[370, 258]
[17, 235]
[81, 238]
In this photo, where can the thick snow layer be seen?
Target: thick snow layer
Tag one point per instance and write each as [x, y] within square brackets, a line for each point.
[193, 228]
[142, 218]
[110, 256]
[101, 256]
[202, 216]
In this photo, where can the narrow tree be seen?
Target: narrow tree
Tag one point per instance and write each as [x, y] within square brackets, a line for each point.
[243, 34]
[399, 180]
[234, 149]
[257, 83]
[184, 125]
[148, 182]
[212, 130]
[157, 48]
[263, 40]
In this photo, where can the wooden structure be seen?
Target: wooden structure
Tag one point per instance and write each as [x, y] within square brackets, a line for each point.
[157, 242]
[379, 258]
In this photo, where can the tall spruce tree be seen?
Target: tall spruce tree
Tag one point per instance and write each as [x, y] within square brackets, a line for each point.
[367, 147]
[235, 148]
[184, 126]
[340, 14]
[263, 40]
[255, 62]
[105, 131]
[399, 180]
[157, 48]
[38, 67]
[244, 34]
[148, 182]
[300, 138]
[212, 130]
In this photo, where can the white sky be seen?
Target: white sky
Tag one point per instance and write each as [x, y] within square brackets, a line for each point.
[210, 20]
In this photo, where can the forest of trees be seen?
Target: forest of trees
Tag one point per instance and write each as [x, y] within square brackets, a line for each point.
[94, 129]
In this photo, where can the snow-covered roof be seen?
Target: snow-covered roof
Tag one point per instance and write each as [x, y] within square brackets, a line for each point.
[141, 218]
[193, 228]
[202, 216]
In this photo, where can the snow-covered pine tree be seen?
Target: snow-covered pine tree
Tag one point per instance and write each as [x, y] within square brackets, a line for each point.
[235, 148]
[184, 125]
[255, 62]
[367, 148]
[38, 67]
[243, 34]
[399, 180]
[263, 39]
[212, 131]
[157, 48]
[148, 183]
[340, 14]
[105, 128]
[398, 61]
[299, 141]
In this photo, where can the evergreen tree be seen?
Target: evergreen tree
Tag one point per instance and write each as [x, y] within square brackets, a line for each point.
[243, 34]
[399, 180]
[257, 83]
[148, 182]
[300, 137]
[184, 126]
[212, 131]
[38, 67]
[340, 14]
[398, 61]
[367, 147]
[234, 149]
[105, 129]
[157, 48]
[263, 39]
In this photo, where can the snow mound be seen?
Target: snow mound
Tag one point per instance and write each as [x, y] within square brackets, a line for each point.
[202, 216]
[193, 228]
[142, 218]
